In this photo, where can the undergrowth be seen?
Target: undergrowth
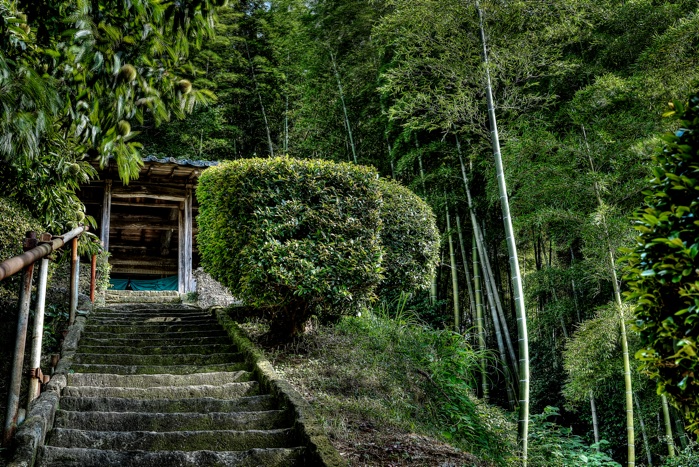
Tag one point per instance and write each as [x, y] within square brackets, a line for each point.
[385, 371]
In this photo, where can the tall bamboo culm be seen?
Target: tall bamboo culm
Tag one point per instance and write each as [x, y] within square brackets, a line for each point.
[630, 433]
[517, 289]
[479, 319]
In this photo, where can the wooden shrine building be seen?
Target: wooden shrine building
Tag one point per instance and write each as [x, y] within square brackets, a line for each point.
[148, 226]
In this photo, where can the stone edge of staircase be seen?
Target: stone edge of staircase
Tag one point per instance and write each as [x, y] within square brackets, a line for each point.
[31, 434]
[320, 451]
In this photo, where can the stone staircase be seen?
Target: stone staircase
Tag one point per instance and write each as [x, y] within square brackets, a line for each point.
[162, 385]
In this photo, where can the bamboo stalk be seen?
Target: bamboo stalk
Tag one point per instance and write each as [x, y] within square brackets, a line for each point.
[487, 270]
[668, 427]
[643, 432]
[517, 289]
[479, 319]
[630, 435]
[454, 277]
[465, 262]
[344, 107]
[595, 425]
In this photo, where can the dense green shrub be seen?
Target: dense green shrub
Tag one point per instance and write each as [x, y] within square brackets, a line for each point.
[410, 240]
[296, 236]
[662, 269]
[553, 445]
[15, 222]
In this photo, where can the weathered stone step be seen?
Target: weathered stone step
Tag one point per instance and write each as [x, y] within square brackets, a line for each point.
[157, 350]
[255, 403]
[160, 318]
[75, 457]
[149, 309]
[118, 421]
[152, 328]
[223, 391]
[156, 369]
[161, 335]
[159, 360]
[124, 299]
[148, 381]
[171, 440]
[88, 340]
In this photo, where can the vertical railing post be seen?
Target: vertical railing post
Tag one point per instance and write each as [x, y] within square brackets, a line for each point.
[93, 277]
[36, 377]
[25, 296]
[74, 280]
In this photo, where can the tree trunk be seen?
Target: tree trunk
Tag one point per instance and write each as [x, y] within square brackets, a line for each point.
[479, 319]
[454, 277]
[631, 461]
[668, 427]
[344, 107]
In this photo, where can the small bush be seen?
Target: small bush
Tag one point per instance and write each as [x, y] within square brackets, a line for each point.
[15, 222]
[296, 236]
[662, 269]
[410, 240]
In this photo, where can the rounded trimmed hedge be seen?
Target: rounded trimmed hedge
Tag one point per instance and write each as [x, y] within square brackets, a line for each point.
[300, 237]
[410, 240]
[295, 236]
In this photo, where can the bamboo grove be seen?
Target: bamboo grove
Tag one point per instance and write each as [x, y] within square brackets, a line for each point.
[419, 90]
[528, 126]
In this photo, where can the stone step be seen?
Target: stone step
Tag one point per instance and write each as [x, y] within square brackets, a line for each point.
[125, 299]
[75, 457]
[158, 350]
[223, 391]
[255, 403]
[146, 308]
[119, 421]
[156, 369]
[149, 381]
[172, 440]
[159, 320]
[158, 360]
[160, 335]
[140, 329]
[88, 340]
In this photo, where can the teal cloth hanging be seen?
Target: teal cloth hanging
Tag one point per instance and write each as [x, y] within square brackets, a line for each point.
[166, 283]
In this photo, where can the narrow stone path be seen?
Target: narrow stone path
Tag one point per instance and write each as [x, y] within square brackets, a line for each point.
[161, 385]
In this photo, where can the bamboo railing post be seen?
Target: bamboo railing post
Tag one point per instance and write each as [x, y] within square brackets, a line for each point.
[25, 296]
[74, 280]
[36, 377]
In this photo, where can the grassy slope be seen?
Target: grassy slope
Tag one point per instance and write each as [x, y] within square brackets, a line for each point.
[394, 393]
